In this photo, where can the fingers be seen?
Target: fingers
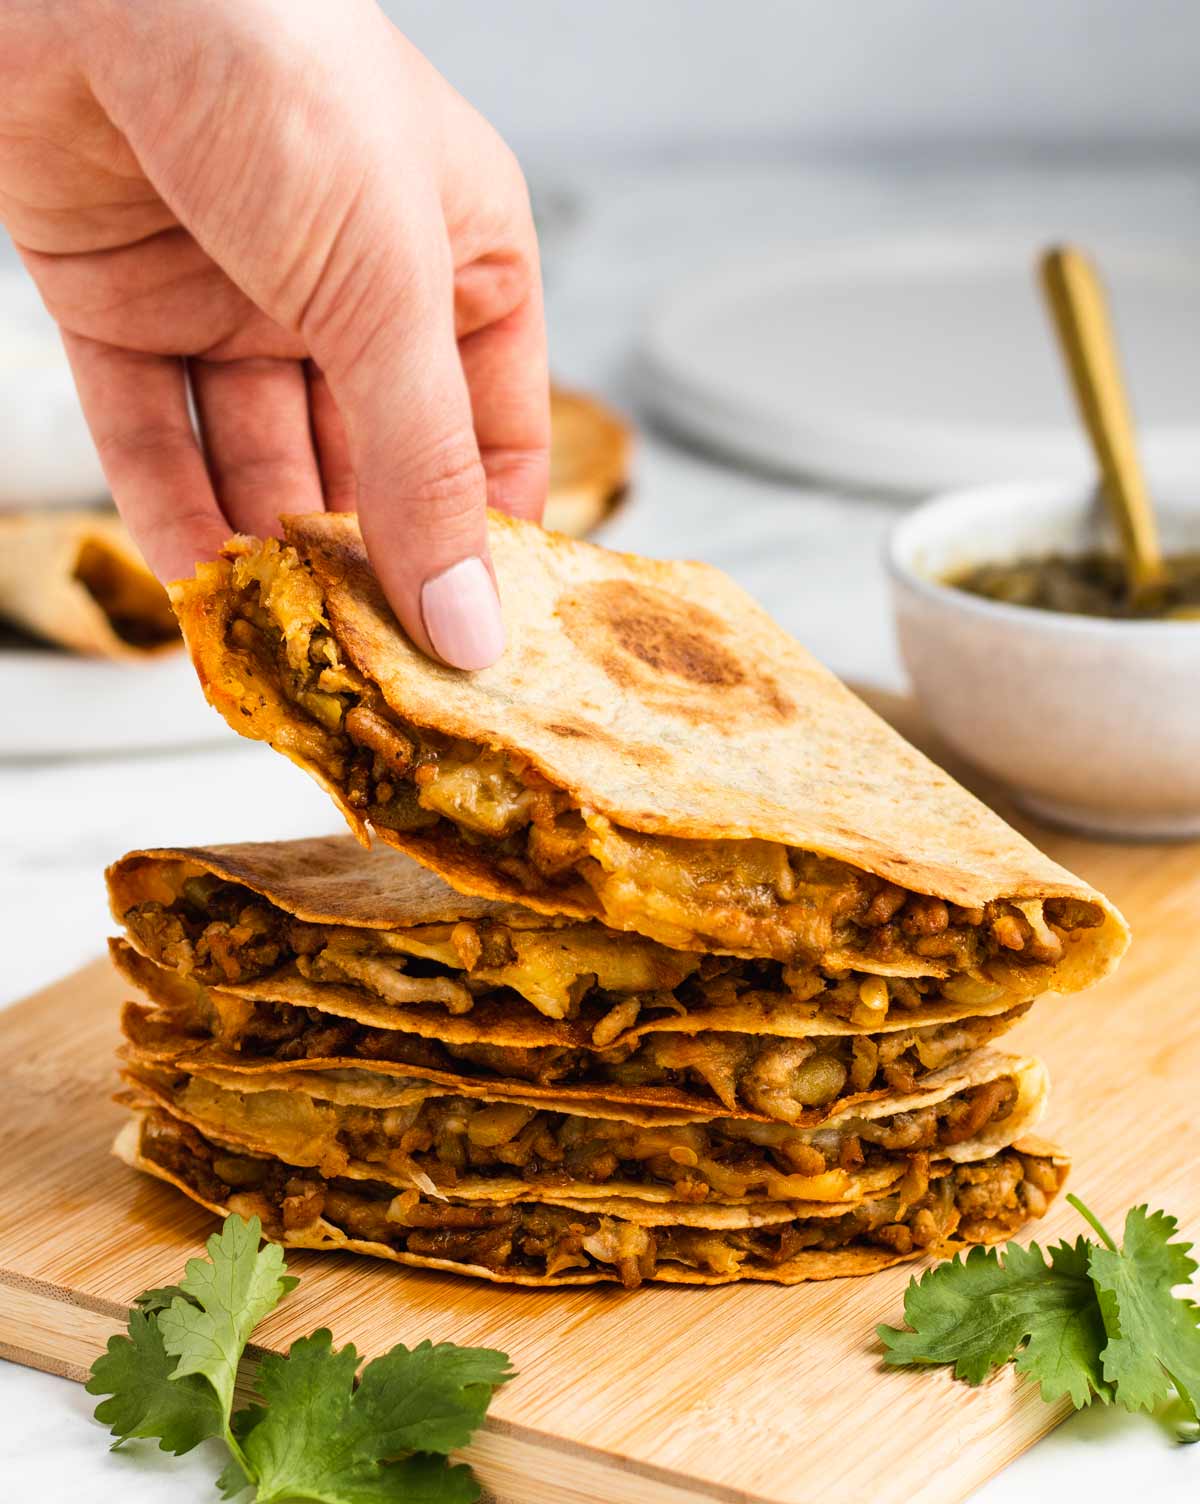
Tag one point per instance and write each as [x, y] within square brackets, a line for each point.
[422, 495]
[254, 422]
[254, 418]
[505, 369]
[136, 407]
[332, 444]
[422, 489]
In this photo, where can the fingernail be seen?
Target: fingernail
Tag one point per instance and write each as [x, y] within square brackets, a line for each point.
[461, 612]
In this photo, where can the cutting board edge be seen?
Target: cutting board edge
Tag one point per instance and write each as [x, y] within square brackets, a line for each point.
[501, 1453]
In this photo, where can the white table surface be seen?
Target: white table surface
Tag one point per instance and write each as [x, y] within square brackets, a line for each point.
[810, 556]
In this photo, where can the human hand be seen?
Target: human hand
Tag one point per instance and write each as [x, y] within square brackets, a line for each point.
[281, 205]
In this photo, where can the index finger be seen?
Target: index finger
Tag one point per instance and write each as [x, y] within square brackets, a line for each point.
[422, 488]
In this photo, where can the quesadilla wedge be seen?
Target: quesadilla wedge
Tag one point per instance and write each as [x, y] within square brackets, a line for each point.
[567, 1243]
[510, 1050]
[652, 751]
[409, 1133]
[306, 916]
[76, 579]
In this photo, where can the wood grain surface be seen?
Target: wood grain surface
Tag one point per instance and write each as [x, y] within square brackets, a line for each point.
[742, 1393]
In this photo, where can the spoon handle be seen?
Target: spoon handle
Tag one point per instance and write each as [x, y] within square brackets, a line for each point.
[1080, 311]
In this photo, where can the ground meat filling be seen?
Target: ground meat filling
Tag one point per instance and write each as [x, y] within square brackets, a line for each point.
[783, 1079]
[442, 1141]
[970, 1203]
[747, 894]
[223, 934]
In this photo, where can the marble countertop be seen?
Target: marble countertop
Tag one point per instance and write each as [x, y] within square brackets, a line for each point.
[810, 555]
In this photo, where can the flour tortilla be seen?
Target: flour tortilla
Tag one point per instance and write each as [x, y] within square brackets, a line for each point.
[660, 697]
[333, 880]
[288, 1121]
[813, 1265]
[77, 580]
[322, 880]
[159, 1035]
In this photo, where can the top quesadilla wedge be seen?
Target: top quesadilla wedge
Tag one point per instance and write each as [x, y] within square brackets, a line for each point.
[652, 750]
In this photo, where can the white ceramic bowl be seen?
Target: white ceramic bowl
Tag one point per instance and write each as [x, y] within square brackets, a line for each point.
[1090, 723]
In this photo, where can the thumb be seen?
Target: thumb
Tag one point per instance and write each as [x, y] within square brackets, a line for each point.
[422, 489]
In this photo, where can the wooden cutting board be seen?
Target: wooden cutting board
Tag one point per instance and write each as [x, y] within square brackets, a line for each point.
[737, 1393]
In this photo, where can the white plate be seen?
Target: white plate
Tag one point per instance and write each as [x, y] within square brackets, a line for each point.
[920, 362]
[59, 704]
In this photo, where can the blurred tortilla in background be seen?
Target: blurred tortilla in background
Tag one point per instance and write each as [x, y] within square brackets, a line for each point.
[76, 579]
[589, 462]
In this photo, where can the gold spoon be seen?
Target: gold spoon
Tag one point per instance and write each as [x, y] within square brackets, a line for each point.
[1080, 312]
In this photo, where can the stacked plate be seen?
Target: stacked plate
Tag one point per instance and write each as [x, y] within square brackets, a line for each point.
[672, 961]
[918, 362]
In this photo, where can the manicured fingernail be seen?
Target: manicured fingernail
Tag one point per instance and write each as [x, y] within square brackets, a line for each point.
[461, 612]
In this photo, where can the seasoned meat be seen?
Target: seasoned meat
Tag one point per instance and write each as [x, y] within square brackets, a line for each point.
[438, 1140]
[789, 1080]
[983, 1202]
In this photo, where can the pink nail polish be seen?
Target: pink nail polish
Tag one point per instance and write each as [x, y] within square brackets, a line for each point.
[461, 612]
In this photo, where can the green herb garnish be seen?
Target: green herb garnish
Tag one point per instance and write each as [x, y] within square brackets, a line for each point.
[1093, 1322]
[317, 1433]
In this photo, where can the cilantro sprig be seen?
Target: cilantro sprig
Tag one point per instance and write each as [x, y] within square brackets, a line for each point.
[320, 1430]
[1091, 1322]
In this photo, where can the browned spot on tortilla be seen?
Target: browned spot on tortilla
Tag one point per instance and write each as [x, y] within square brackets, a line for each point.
[671, 653]
[576, 729]
[672, 637]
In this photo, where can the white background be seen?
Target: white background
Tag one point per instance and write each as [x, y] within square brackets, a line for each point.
[724, 126]
[640, 77]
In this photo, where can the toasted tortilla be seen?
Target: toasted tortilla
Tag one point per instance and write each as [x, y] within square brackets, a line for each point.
[394, 904]
[618, 1217]
[181, 1030]
[333, 882]
[304, 1123]
[322, 879]
[76, 579]
[664, 706]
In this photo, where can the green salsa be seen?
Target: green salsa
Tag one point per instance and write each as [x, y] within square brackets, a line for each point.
[1091, 584]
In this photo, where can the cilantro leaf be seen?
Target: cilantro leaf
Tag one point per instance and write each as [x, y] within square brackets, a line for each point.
[158, 1300]
[233, 1479]
[983, 1310]
[319, 1434]
[432, 1398]
[222, 1300]
[1063, 1351]
[318, 1437]
[1153, 1335]
[137, 1373]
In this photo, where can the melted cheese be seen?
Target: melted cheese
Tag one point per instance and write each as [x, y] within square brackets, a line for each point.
[552, 968]
[727, 894]
[479, 792]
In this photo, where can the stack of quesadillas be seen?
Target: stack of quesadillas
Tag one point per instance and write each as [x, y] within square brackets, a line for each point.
[695, 977]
